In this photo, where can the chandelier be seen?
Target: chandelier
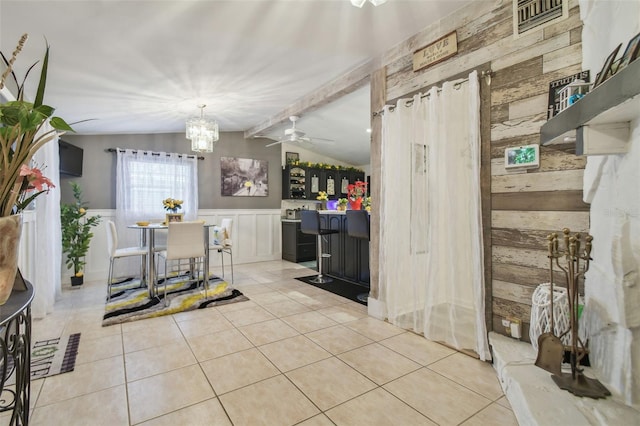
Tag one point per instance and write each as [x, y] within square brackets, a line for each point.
[203, 133]
[360, 3]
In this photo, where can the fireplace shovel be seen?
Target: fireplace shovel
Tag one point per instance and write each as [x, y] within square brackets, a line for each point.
[550, 347]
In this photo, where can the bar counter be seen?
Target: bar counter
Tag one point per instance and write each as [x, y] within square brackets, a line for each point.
[349, 259]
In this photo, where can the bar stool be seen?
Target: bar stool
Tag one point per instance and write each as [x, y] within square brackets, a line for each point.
[358, 226]
[310, 224]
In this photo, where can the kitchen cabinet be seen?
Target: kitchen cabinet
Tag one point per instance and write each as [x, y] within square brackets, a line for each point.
[346, 178]
[296, 246]
[304, 183]
[316, 182]
[294, 183]
[333, 184]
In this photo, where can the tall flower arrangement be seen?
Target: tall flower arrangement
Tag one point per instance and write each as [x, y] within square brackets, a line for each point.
[21, 135]
[356, 193]
[356, 190]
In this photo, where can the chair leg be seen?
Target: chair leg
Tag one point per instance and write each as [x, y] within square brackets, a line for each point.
[321, 279]
[221, 251]
[231, 257]
[110, 279]
[166, 278]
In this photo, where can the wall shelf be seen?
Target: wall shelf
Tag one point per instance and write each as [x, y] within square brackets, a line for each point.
[599, 123]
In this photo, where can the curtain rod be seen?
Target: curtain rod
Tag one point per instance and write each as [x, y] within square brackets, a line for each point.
[486, 74]
[135, 151]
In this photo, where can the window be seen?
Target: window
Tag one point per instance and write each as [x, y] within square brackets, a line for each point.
[144, 179]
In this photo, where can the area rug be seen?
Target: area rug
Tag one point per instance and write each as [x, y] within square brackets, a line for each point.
[54, 356]
[130, 301]
[341, 288]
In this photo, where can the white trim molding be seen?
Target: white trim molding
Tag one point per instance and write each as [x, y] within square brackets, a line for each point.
[256, 237]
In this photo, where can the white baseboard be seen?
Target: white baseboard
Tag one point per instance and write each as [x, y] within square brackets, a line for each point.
[377, 309]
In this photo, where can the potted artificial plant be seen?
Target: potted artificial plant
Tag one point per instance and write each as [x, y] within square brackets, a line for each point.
[76, 234]
[23, 130]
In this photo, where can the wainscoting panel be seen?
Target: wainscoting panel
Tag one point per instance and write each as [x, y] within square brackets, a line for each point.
[256, 237]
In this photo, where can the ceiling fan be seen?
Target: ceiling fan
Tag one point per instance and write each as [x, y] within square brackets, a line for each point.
[293, 135]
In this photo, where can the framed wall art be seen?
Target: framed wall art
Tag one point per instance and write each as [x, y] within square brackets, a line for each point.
[556, 86]
[606, 68]
[244, 177]
[174, 217]
[631, 52]
[292, 157]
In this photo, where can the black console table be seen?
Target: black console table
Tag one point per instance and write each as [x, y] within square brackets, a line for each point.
[15, 363]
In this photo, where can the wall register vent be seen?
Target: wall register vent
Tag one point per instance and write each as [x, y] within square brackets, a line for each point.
[535, 14]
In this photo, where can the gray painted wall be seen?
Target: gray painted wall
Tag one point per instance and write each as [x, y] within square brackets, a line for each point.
[99, 168]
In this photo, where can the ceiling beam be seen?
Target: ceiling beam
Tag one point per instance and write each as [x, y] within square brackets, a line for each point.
[326, 94]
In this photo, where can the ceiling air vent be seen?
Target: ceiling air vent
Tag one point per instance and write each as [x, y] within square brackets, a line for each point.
[536, 14]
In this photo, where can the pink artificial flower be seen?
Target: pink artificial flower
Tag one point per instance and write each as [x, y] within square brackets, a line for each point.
[35, 179]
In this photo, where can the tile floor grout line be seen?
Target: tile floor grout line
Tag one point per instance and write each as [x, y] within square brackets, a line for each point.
[82, 305]
[459, 384]
[126, 382]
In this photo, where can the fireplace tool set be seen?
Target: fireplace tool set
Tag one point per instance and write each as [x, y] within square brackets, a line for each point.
[550, 347]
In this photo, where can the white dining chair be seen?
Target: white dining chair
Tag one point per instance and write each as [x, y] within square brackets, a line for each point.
[117, 253]
[185, 241]
[222, 242]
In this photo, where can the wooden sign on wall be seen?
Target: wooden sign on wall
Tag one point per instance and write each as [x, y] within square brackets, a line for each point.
[439, 50]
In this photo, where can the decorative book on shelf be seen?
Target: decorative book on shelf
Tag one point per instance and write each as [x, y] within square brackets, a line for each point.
[556, 86]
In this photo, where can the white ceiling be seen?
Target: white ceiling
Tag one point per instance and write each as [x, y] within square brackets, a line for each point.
[136, 66]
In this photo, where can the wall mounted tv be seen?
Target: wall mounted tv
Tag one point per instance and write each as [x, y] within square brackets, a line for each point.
[70, 159]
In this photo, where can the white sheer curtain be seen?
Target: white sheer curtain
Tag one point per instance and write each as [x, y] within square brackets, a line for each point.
[432, 278]
[143, 180]
[48, 249]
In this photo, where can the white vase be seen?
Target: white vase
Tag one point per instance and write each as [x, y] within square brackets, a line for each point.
[10, 230]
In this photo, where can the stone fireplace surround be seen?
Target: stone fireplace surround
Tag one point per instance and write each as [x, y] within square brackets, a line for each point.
[612, 285]
[612, 187]
[537, 400]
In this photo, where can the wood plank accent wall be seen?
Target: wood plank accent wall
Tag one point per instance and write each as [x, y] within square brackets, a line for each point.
[524, 206]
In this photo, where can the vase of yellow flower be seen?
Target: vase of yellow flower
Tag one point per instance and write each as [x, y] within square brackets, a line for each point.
[322, 197]
[22, 133]
[172, 205]
[366, 203]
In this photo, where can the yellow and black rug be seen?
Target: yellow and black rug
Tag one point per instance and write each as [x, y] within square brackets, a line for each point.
[130, 301]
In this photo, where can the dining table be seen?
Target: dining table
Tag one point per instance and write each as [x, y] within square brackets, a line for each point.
[148, 238]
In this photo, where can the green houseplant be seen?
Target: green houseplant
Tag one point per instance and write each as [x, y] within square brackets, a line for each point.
[76, 233]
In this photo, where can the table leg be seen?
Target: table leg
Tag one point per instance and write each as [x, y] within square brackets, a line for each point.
[206, 258]
[143, 262]
[151, 276]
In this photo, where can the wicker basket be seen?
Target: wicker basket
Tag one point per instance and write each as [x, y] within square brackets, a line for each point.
[541, 313]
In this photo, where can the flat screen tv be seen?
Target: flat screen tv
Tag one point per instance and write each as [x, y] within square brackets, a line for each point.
[70, 159]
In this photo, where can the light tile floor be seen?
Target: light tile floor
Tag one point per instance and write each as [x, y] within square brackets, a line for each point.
[292, 355]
